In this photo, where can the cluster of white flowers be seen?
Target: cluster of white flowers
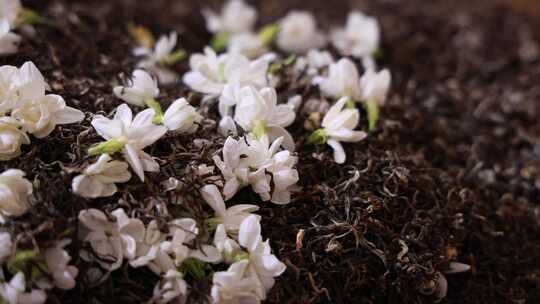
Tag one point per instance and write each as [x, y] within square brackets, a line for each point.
[26, 108]
[130, 135]
[233, 28]
[252, 161]
[158, 59]
[258, 150]
[178, 250]
[14, 193]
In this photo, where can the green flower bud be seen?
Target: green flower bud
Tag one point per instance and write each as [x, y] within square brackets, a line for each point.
[318, 137]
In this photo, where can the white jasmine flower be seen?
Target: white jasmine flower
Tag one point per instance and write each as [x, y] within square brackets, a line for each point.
[260, 183]
[10, 10]
[343, 80]
[235, 175]
[375, 86]
[227, 126]
[318, 59]
[338, 125]
[150, 251]
[20, 84]
[234, 286]
[359, 38]
[40, 116]
[162, 55]
[313, 61]
[284, 176]
[131, 135]
[9, 41]
[236, 17]
[253, 162]
[181, 117]
[298, 33]
[236, 171]
[131, 232]
[172, 287]
[141, 89]
[210, 72]
[14, 292]
[98, 179]
[294, 102]
[5, 246]
[231, 217]
[228, 99]
[57, 260]
[228, 247]
[39, 113]
[9, 77]
[248, 44]
[111, 241]
[14, 192]
[183, 232]
[258, 112]
[11, 138]
[264, 264]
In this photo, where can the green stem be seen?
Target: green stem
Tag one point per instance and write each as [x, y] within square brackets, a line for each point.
[318, 137]
[153, 104]
[174, 57]
[372, 109]
[107, 147]
[350, 104]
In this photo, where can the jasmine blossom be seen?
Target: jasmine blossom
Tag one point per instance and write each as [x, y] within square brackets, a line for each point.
[98, 179]
[298, 33]
[130, 135]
